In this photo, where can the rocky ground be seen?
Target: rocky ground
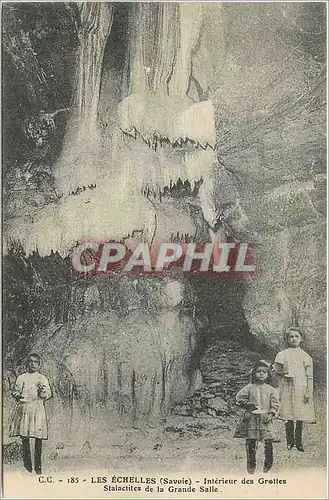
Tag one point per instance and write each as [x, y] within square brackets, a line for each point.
[225, 369]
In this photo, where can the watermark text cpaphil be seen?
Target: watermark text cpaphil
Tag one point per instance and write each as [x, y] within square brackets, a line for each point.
[221, 259]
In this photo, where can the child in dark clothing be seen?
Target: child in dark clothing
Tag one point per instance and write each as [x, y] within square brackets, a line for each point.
[261, 403]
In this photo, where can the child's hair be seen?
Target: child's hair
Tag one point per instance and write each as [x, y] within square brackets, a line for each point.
[34, 355]
[262, 364]
[292, 329]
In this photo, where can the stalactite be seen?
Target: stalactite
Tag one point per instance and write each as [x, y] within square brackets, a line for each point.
[190, 16]
[177, 136]
[164, 36]
[96, 23]
[82, 160]
[159, 106]
[167, 46]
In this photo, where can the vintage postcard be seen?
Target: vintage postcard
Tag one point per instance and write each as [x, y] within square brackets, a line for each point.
[164, 250]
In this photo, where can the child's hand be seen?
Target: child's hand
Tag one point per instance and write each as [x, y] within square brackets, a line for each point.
[268, 418]
[307, 397]
[251, 405]
[17, 395]
[42, 392]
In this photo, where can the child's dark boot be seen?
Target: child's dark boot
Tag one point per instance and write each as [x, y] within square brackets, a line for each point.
[268, 462]
[251, 455]
[37, 456]
[290, 434]
[298, 436]
[27, 454]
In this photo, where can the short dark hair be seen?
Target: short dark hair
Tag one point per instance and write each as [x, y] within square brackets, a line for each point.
[292, 329]
[261, 364]
[34, 355]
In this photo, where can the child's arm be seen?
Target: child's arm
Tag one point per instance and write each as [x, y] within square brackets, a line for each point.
[309, 378]
[278, 369]
[242, 399]
[274, 403]
[44, 390]
[273, 407]
[279, 364]
[18, 389]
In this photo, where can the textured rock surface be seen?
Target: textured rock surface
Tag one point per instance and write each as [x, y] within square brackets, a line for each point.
[263, 68]
[269, 95]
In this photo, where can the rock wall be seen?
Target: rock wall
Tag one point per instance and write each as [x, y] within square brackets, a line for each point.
[268, 89]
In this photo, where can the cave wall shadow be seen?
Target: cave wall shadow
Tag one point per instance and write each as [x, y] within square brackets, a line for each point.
[221, 299]
[38, 81]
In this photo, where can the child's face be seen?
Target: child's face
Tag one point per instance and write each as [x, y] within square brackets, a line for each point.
[294, 339]
[261, 374]
[33, 364]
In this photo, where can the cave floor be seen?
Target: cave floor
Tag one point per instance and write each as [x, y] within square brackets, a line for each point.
[213, 452]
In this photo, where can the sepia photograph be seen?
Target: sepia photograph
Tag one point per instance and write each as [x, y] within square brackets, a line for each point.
[164, 249]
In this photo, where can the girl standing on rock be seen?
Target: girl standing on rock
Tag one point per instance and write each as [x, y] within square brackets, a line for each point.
[29, 418]
[261, 403]
[295, 369]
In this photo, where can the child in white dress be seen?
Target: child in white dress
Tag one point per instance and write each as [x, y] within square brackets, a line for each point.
[29, 417]
[295, 370]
